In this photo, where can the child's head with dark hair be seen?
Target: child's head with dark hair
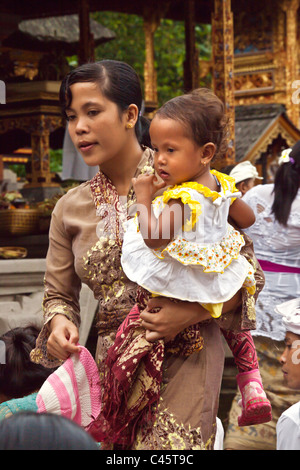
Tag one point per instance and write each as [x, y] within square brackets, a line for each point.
[19, 376]
[202, 114]
[117, 81]
[43, 431]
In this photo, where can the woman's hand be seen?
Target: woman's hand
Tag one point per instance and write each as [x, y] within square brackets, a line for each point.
[171, 319]
[63, 338]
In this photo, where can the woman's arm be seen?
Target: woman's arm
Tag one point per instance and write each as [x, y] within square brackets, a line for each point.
[59, 334]
[242, 214]
[174, 317]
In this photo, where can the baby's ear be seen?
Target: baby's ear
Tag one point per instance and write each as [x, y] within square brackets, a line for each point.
[209, 150]
[208, 153]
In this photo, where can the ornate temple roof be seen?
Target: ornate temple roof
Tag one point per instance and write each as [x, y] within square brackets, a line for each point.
[256, 126]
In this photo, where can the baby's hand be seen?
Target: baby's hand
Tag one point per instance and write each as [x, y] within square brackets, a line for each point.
[145, 186]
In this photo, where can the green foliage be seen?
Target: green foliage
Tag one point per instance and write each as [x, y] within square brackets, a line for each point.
[129, 46]
[55, 164]
[18, 169]
[55, 160]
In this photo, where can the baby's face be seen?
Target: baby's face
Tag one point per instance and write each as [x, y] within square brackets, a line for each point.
[177, 158]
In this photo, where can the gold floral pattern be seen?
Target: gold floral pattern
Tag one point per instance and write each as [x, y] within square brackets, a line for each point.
[168, 434]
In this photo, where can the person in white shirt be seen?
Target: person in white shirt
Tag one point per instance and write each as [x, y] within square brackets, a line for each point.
[288, 425]
[276, 240]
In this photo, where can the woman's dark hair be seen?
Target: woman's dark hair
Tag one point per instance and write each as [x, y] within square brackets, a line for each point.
[117, 81]
[286, 185]
[43, 431]
[203, 115]
[19, 376]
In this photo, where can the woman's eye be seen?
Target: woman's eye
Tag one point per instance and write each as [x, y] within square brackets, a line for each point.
[70, 117]
[93, 112]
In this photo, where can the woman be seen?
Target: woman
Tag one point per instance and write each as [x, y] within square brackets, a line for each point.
[102, 103]
[288, 425]
[276, 239]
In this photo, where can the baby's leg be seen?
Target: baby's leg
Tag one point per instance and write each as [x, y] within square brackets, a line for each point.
[256, 407]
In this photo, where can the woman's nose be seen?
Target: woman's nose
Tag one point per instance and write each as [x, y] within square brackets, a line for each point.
[81, 126]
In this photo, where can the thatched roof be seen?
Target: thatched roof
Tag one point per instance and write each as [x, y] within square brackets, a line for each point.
[60, 31]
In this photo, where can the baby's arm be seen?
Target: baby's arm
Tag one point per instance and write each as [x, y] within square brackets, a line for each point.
[156, 232]
[241, 213]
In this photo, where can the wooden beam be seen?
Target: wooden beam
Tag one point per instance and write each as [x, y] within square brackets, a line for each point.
[151, 19]
[191, 63]
[8, 24]
[223, 67]
[86, 52]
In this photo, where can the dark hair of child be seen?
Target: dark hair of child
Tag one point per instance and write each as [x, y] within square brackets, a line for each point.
[203, 115]
[19, 376]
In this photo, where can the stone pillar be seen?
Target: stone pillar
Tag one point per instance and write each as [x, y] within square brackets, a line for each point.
[191, 63]
[223, 67]
[290, 7]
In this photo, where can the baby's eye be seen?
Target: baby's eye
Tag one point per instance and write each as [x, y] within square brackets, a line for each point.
[170, 150]
[155, 149]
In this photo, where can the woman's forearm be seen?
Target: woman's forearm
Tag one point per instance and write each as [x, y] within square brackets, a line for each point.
[197, 313]
[174, 317]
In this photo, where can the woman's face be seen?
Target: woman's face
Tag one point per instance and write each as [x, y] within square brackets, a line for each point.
[290, 361]
[95, 125]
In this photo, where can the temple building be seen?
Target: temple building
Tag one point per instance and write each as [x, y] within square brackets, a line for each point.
[254, 68]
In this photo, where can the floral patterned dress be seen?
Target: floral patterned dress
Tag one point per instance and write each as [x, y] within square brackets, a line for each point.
[85, 243]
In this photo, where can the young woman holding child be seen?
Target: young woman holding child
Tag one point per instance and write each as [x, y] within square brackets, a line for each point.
[102, 102]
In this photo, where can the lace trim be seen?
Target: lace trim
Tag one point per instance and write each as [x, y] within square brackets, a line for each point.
[214, 258]
[186, 198]
[227, 184]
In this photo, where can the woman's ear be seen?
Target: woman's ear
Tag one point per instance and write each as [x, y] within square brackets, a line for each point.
[208, 152]
[132, 114]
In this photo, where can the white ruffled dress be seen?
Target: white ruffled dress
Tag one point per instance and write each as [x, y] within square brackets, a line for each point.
[203, 262]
